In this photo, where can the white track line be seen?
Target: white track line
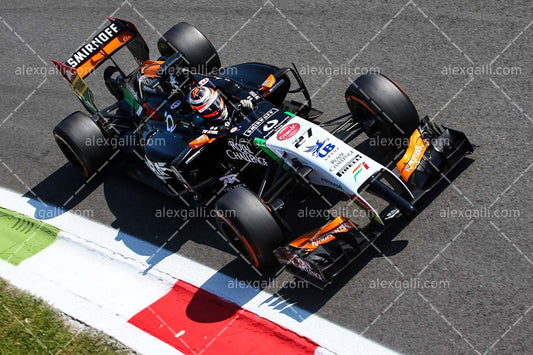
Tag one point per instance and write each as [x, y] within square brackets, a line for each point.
[40, 276]
[86, 272]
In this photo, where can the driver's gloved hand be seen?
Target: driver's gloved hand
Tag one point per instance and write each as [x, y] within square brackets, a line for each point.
[247, 105]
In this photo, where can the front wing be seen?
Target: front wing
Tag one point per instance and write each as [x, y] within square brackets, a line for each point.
[319, 256]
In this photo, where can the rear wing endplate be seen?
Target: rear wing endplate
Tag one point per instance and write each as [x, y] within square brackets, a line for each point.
[91, 55]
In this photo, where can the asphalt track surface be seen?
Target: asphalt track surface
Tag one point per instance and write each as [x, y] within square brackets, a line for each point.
[485, 262]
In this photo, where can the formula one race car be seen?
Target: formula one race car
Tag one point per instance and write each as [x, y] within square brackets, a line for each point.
[231, 136]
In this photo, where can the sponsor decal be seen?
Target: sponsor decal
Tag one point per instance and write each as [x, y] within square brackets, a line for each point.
[243, 152]
[321, 239]
[275, 128]
[253, 127]
[149, 112]
[415, 159]
[174, 83]
[269, 125]
[253, 95]
[234, 129]
[276, 86]
[326, 237]
[82, 54]
[149, 89]
[158, 168]
[230, 182]
[358, 169]
[203, 81]
[337, 161]
[320, 149]
[171, 125]
[288, 131]
[175, 104]
[306, 267]
[392, 213]
[209, 131]
[413, 155]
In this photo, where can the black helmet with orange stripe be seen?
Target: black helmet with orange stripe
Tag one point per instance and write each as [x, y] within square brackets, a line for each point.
[208, 103]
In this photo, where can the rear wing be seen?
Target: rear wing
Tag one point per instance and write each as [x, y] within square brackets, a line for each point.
[91, 55]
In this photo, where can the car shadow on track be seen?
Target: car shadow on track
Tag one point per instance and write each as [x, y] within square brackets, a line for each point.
[313, 299]
[301, 302]
[141, 214]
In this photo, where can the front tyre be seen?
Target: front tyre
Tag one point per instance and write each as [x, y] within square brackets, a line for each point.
[382, 107]
[249, 226]
[83, 143]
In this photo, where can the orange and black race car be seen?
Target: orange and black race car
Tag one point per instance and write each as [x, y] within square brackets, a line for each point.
[235, 139]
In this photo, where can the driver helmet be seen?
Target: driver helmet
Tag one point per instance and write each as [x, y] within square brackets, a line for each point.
[208, 103]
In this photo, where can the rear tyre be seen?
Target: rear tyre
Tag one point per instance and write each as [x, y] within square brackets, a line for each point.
[248, 224]
[83, 143]
[382, 107]
[197, 50]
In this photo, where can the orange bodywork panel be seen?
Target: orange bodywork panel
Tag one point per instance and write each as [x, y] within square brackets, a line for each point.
[150, 68]
[200, 141]
[311, 240]
[413, 155]
[268, 83]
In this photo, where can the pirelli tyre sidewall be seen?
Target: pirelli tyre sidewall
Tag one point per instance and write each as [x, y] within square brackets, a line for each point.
[382, 107]
[248, 224]
[83, 143]
[198, 51]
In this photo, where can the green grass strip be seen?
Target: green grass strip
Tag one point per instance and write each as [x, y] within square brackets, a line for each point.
[30, 326]
[21, 237]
